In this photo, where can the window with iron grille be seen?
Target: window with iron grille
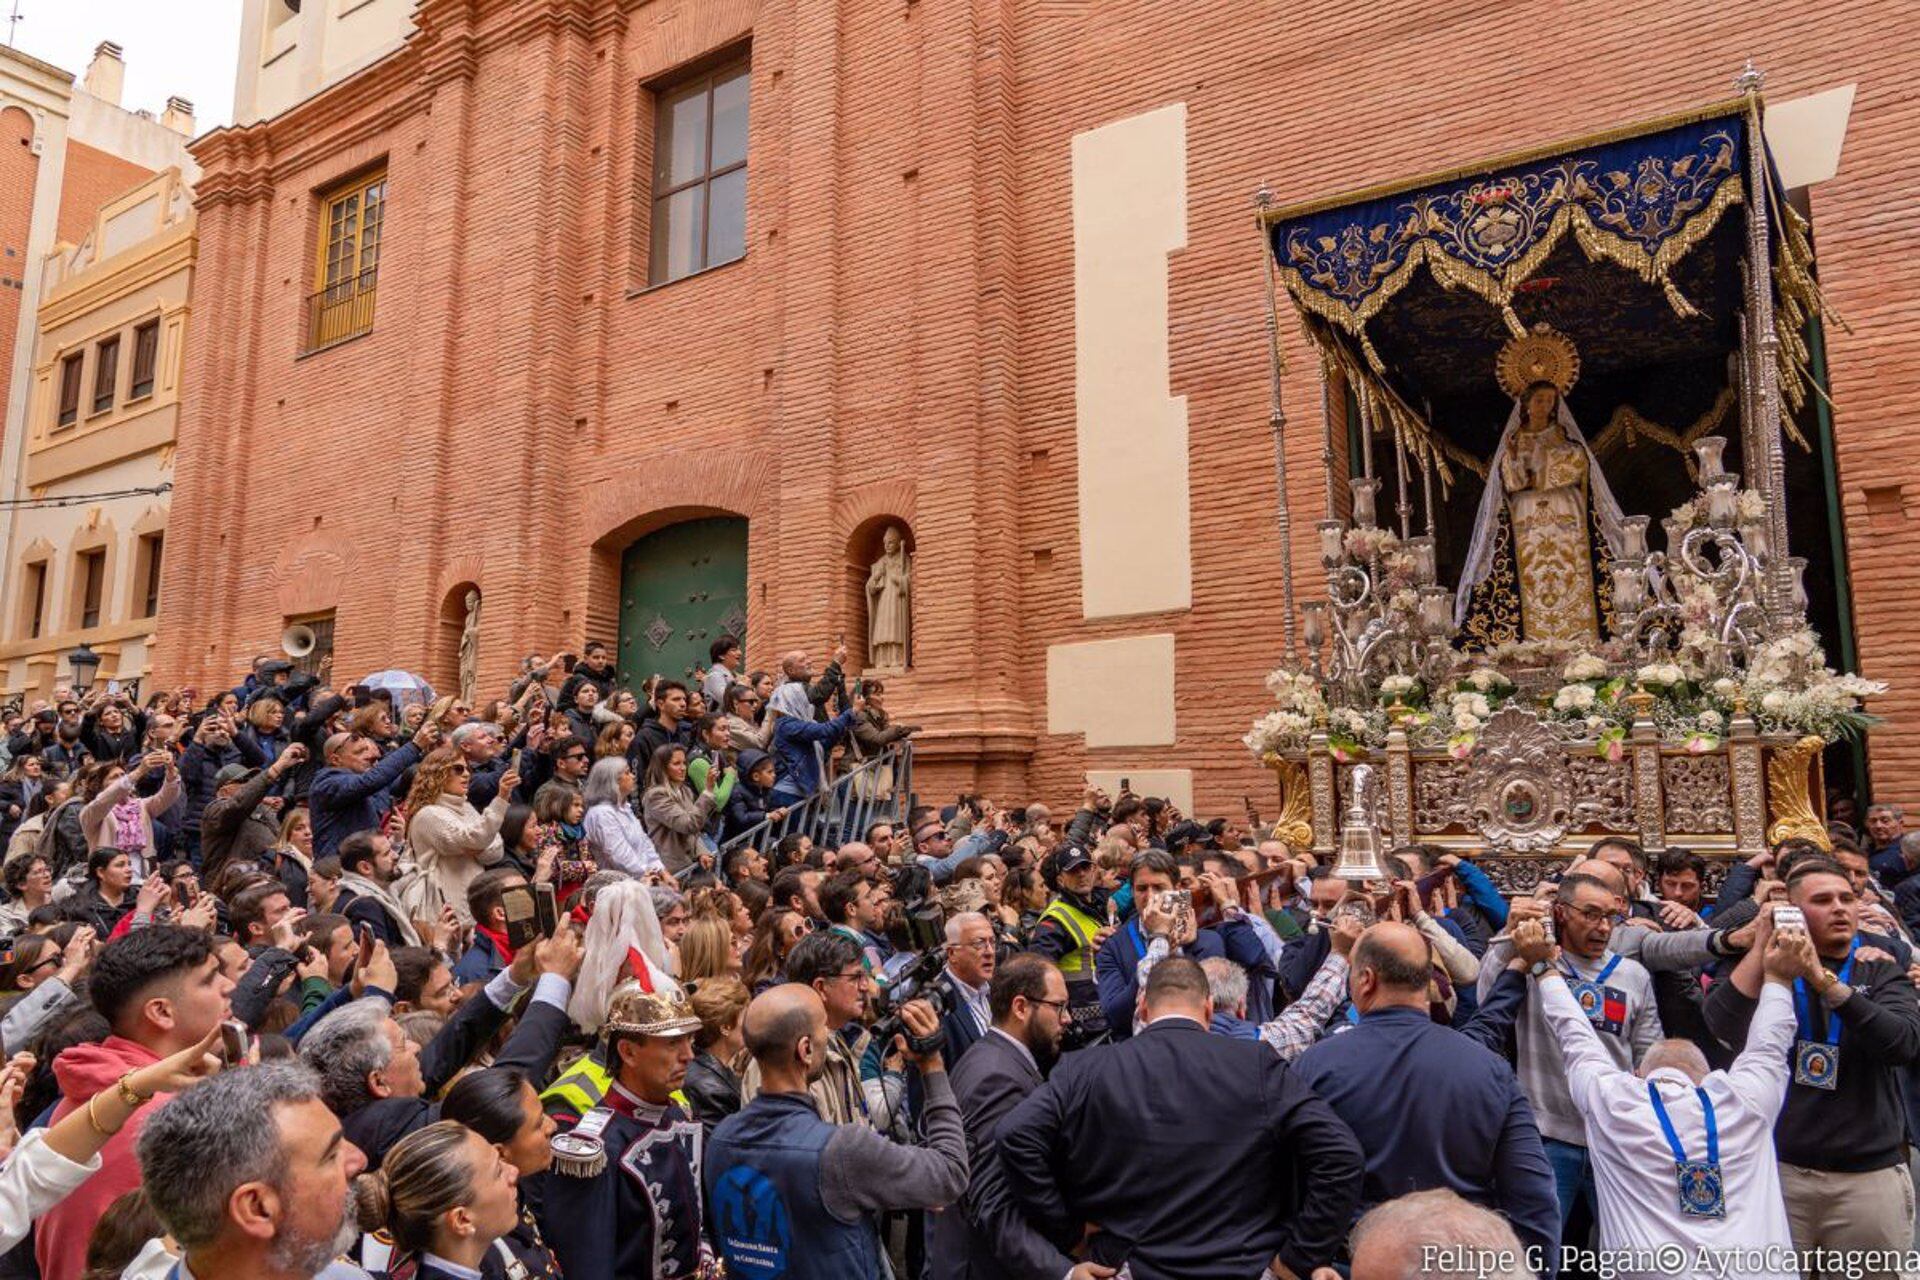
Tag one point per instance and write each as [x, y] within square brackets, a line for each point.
[352, 218]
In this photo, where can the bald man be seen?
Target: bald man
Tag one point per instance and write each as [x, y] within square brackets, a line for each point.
[1661, 1180]
[1432, 1108]
[789, 1194]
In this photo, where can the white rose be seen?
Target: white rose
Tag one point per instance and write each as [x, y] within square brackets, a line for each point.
[1710, 720]
[1774, 703]
[1464, 721]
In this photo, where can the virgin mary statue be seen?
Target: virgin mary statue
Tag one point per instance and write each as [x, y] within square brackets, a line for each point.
[1548, 526]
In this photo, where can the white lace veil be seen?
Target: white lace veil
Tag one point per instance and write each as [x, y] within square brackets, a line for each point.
[623, 920]
[1486, 522]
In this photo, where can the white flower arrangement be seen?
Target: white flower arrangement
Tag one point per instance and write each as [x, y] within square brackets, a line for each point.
[1367, 543]
[1584, 666]
[1575, 697]
[1660, 675]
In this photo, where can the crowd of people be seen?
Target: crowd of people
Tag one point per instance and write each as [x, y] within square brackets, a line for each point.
[300, 983]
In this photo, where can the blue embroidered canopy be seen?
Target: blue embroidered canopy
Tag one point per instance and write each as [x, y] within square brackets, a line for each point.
[1408, 289]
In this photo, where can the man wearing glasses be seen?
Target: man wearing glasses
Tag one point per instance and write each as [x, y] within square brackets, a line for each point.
[1615, 992]
[970, 964]
[831, 963]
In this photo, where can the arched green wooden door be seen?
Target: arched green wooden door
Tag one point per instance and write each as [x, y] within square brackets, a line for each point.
[681, 588]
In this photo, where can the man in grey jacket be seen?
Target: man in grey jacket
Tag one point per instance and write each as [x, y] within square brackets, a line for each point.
[789, 1194]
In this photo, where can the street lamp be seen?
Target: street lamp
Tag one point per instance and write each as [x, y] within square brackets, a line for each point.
[84, 662]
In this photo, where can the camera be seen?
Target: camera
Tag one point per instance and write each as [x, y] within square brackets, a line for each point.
[924, 924]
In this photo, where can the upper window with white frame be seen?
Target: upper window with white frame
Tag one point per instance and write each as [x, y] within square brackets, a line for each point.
[699, 173]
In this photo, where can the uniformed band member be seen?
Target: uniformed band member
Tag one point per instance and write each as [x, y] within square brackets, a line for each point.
[623, 1200]
[1069, 932]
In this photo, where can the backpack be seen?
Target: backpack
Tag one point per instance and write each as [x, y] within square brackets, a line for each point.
[62, 843]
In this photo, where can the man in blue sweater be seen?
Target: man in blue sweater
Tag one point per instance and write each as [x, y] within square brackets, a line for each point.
[351, 793]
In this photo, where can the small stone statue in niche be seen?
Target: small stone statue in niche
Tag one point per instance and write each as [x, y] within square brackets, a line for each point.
[890, 604]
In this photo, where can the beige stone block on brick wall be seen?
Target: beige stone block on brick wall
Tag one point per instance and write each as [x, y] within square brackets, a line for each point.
[1119, 693]
[1129, 213]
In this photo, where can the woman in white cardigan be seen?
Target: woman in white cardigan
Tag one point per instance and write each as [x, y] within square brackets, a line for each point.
[614, 833]
[452, 841]
[47, 1165]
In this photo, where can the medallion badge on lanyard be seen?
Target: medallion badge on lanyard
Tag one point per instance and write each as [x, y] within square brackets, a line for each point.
[1703, 1192]
[1816, 1062]
[1604, 1007]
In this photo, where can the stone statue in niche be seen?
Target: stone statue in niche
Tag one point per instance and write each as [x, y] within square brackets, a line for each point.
[470, 648]
[890, 604]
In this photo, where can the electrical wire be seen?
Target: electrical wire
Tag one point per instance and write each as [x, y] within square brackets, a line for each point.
[78, 499]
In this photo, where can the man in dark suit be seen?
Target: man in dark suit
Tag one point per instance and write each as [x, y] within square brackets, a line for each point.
[969, 971]
[985, 1236]
[1431, 1107]
[1198, 1156]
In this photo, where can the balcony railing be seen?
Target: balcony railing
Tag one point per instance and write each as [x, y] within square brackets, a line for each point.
[341, 311]
[845, 808]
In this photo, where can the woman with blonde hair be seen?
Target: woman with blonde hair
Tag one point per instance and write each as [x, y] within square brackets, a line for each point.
[706, 951]
[614, 740]
[452, 841]
[624, 940]
[712, 1088]
[444, 1195]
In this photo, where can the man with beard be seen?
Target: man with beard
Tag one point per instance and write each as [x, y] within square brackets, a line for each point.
[249, 1173]
[985, 1237]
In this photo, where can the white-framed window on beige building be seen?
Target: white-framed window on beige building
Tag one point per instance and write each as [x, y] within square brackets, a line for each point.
[33, 599]
[146, 568]
[72, 375]
[106, 372]
[89, 586]
[146, 358]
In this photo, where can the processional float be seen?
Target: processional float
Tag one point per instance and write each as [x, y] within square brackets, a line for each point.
[1577, 679]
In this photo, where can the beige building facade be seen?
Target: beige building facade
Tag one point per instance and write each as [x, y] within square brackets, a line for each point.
[99, 426]
[96, 252]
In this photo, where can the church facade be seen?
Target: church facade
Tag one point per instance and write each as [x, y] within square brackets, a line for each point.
[650, 321]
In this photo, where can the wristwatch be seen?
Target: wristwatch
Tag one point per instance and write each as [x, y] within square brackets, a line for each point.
[1539, 968]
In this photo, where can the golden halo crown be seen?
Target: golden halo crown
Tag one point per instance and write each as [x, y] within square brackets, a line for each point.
[1543, 354]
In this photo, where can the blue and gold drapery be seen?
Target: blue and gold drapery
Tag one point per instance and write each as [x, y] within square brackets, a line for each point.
[1639, 198]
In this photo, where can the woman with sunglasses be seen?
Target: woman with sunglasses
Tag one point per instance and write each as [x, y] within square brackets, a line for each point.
[773, 937]
[37, 984]
[451, 840]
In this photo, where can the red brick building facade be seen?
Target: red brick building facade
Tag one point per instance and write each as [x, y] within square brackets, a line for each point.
[898, 342]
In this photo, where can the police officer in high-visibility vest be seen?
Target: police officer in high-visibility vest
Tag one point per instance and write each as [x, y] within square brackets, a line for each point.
[1069, 932]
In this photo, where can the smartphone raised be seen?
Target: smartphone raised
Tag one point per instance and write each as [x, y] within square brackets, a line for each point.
[233, 1043]
[513, 765]
[546, 910]
[1789, 918]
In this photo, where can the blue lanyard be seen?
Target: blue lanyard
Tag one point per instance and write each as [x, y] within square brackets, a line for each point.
[1803, 1002]
[1139, 943]
[1605, 973]
[1673, 1139]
